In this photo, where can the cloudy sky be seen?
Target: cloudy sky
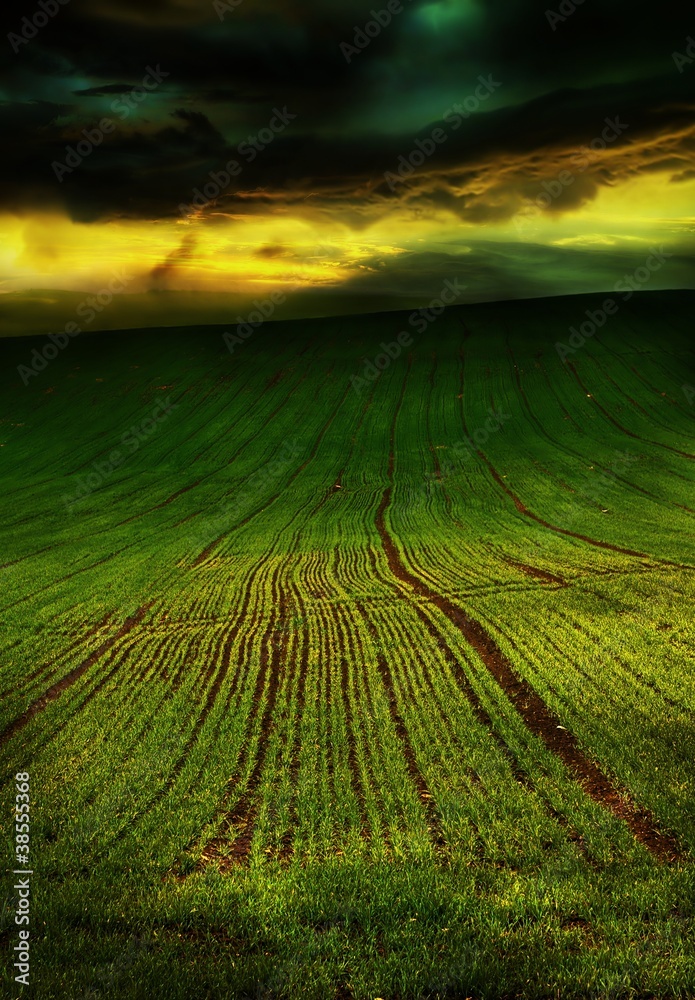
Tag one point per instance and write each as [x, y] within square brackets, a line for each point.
[243, 146]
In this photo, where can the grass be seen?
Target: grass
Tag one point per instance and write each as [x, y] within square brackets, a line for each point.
[337, 694]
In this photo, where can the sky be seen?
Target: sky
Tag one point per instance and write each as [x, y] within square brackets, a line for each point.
[346, 156]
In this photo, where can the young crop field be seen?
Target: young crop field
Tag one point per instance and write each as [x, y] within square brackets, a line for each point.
[342, 674]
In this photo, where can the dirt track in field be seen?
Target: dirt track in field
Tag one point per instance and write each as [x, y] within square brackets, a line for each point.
[537, 716]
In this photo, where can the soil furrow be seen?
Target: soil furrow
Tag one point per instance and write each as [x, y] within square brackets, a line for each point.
[205, 554]
[416, 776]
[538, 717]
[611, 418]
[66, 682]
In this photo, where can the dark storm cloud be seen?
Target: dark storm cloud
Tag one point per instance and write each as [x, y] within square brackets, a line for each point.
[294, 44]
[225, 77]
[270, 251]
[241, 54]
[481, 173]
[476, 174]
[136, 172]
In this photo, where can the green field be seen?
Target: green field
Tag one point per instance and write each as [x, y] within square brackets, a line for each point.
[355, 694]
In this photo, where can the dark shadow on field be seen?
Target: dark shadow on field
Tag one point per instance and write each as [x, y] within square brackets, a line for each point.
[341, 929]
